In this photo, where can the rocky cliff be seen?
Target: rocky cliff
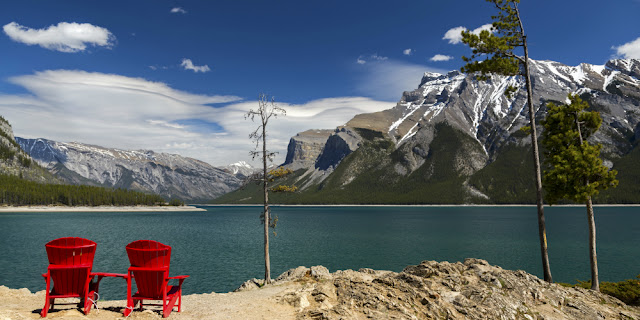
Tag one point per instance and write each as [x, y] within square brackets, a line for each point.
[168, 175]
[439, 290]
[305, 148]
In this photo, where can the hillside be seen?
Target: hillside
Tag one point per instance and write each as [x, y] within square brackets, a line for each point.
[15, 162]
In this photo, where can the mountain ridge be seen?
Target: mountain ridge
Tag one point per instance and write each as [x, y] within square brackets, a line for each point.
[169, 175]
[480, 111]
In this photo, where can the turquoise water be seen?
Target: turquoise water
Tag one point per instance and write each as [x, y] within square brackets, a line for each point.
[222, 247]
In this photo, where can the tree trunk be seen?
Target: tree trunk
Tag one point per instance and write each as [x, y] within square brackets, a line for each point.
[595, 283]
[267, 262]
[542, 232]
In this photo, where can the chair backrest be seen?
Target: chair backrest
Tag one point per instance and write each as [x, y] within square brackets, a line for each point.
[75, 253]
[71, 251]
[155, 258]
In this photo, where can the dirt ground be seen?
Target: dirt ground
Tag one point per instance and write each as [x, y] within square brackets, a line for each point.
[254, 304]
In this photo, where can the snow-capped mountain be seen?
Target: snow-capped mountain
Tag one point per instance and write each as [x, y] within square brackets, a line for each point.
[240, 169]
[169, 175]
[485, 132]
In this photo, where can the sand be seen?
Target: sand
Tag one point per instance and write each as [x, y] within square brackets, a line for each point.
[99, 209]
[255, 304]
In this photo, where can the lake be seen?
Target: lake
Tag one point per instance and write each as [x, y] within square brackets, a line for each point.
[223, 247]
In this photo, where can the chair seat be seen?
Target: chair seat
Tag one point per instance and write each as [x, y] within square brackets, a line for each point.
[170, 292]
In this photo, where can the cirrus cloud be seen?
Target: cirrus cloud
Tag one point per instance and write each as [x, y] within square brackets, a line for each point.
[63, 37]
[134, 113]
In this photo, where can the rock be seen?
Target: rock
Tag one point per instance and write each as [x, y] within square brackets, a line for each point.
[320, 273]
[436, 290]
[305, 148]
[339, 145]
[293, 274]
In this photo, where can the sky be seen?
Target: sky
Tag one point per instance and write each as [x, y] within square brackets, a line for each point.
[178, 76]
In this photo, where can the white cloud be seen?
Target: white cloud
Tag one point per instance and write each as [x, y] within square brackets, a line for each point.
[440, 57]
[629, 50]
[133, 113]
[178, 10]
[386, 80]
[375, 56]
[187, 64]
[63, 37]
[407, 52]
[362, 59]
[454, 34]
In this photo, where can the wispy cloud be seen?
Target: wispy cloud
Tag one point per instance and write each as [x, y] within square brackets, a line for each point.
[63, 37]
[187, 64]
[387, 79]
[178, 10]
[363, 59]
[454, 34]
[440, 57]
[134, 113]
[629, 50]
[407, 52]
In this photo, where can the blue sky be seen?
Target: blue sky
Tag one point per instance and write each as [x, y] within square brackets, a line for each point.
[176, 76]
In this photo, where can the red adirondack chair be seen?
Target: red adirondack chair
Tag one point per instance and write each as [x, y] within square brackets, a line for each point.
[70, 263]
[150, 268]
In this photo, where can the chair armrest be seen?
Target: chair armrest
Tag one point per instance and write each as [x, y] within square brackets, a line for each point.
[147, 269]
[109, 274]
[77, 266]
[46, 275]
[179, 277]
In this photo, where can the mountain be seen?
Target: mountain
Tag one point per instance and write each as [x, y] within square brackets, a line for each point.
[240, 169]
[15, 162]
[455, 139]
[168, 175]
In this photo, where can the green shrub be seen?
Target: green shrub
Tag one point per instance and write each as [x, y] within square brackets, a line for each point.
[628, 291]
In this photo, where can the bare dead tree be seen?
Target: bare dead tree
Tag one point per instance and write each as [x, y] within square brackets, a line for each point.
[267, 108]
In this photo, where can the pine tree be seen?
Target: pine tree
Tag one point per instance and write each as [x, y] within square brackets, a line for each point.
[574, 168]
[497, 48]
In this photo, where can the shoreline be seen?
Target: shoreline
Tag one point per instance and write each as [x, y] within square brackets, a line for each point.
[12, 209]
[415, 205]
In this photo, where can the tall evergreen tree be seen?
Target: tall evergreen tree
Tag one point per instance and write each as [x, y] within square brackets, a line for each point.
[498, 47]
[574, 168]
[267, 108]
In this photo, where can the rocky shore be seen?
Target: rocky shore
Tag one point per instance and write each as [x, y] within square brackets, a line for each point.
[472, 289]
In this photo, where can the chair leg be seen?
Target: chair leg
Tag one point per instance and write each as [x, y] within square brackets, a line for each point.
[89, 301]
[129, 308]
[48, 303]
[166, 309]
[179, 300]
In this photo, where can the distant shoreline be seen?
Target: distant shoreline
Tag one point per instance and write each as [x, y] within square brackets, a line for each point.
[413, 205]
[7, 209]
